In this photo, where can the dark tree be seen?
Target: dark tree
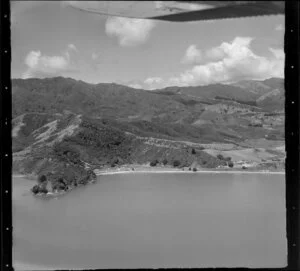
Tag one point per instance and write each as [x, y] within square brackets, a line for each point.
[43, 190]
[154, 163]
[59, 184]
[194, 169]
[230, 164]
[165, 161]
[115, 160]
[220, 156]
[193, 151]
[176, 163]
[35, 189]
[42, 179]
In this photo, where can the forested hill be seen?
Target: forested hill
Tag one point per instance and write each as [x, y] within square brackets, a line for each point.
[111, 124]
[53, 95]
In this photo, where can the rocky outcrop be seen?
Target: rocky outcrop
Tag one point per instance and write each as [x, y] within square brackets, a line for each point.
[62, 180]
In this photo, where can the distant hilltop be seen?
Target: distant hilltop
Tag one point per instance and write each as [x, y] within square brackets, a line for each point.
[58, 93]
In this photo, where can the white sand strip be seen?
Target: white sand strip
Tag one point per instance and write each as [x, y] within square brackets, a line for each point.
[191, 172]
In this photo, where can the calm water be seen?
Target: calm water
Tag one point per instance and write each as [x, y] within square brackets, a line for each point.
[154, 220]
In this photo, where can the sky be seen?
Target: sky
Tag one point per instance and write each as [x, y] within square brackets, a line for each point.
[53, 39]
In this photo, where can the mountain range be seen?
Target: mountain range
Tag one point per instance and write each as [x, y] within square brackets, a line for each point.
[108, 124]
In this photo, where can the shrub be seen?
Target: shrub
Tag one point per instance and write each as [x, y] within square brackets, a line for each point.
[43, 190]
[227, 159]
[58, 185]
[176, 163]
[42, 179]
[243, 167]
[66, 152]
[220, 156]
[61, 181]
[230, 164]
[194, 169]
[115, 160]
[154, 163]
[190, 169]
[193, 151]
[35, 189]
[165, 161]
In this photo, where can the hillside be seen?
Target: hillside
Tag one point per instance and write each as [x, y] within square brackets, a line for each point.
[269, 93]
[108, 125]
[53, 95]
[95, 143]
[157, 113]
[249, 92]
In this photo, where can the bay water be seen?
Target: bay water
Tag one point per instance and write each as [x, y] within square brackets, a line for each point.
[153, 220]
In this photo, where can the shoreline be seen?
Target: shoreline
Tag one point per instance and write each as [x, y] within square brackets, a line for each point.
[190, 172]
[135, 168]
[24, 266]
[110, 172]
[146, 170]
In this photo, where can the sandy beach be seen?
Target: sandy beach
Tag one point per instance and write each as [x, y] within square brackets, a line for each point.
[148, 169]
[191, 172]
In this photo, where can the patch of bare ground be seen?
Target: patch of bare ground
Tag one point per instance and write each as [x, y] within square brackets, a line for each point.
[51, 131]
[17, 125]
[251, 154]
[178, 143]
[263, 143]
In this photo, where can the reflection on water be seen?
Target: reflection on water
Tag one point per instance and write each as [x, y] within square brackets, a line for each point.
[154, 220]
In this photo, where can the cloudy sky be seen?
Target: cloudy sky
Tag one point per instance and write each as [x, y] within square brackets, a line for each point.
[53, 39]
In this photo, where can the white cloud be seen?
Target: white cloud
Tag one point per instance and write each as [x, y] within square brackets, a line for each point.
[278, 53]
[149, 83]
[229, 62]
[152, 80]
[39, 65]
[279, 27]
[131, 32]
[192, 55]
[72, 47]
[159, 4]
[235, 61]
[153, 83]
[215, 54]
[137, 86]
[278, 62]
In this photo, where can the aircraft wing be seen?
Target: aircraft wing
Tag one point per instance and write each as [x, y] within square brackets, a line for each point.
[181, 11]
